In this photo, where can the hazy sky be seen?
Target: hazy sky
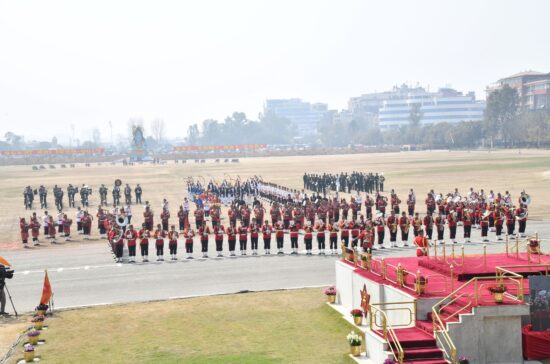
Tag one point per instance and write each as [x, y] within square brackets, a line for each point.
[86, 63]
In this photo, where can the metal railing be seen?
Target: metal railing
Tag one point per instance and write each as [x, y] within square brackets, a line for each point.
[387, 330]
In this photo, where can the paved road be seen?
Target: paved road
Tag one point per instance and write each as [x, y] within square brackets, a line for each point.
[85, 274]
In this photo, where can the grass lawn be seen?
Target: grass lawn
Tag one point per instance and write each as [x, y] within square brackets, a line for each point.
[271, 327]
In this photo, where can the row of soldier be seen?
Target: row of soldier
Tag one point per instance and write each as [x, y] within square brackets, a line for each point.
[344, 182]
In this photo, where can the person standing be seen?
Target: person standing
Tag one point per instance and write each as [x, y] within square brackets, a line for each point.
[467, 224]
[148, 218]
[117, 239]
[404, 224]
[280, 236]
[452, 221]
[308, 237]
[521, 217]
[219, 230]
[35, 229]
[24, 227]
[138, 191]
[144, 236]
[79, 214]
[243, 237]
[164, 218]
[380, 229]
[333, 237]
[428, 225]
[86, 222]
[440, 225]
[159, 234]
[232, 239]
[392, 227]
[203, 233]
[321, 228]
[188, 234]
[131, 236]
[67, 227]
[173, 242]
[266, 237]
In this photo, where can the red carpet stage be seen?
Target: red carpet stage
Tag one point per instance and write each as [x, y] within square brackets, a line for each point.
[536, 345]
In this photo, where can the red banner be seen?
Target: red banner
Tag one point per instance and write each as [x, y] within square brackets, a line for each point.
[190, 148]
[30, 152]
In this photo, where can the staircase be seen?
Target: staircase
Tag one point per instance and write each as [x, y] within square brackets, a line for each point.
[419, 346]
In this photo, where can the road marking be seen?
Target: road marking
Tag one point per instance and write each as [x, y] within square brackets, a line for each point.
[60, 269]
[81, 306]
[26, 272]
[87, 267]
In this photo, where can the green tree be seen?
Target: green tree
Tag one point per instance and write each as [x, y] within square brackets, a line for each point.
[500, 115]
[536, 127]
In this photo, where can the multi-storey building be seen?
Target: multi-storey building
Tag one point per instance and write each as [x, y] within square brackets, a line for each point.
[304, 115]
[533, 89]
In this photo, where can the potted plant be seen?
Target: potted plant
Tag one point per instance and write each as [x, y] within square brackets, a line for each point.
[463, 360]
[420, 284]
[41, 309]
[38, 322]
[357, 315]
[364, 262]
[498, 292]
[330, 292]
[354, 341]
[28, 353]
[534, 245]
[389, 361]
[33, 336]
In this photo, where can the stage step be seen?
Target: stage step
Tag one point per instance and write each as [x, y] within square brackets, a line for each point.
[435, 361]
[426, 326]
[423, 353]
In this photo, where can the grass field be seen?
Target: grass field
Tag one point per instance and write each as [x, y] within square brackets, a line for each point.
[271, 327]
[512, 170]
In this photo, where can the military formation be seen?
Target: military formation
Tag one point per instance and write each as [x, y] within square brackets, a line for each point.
[344, 182]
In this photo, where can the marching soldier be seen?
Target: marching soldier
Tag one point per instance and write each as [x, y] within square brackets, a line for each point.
[159, 234]
[43, 193]
[71, 191]
[188, 234]
[28, 197]
[103, 195]
[128, 194]
[138, 191]
[467, 224]
[51, 229]
[131, 236]
[243, 237]
[67, 227]
[144, 236]
[58, 195]
[380, 229]
[404, 224]
[173, 242]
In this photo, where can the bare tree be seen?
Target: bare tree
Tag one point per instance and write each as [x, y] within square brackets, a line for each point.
[158, 129]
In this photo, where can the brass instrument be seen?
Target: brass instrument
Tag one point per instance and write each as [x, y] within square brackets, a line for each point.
[525, 199]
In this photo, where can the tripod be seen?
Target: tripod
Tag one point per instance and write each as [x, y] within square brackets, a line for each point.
[9, 295]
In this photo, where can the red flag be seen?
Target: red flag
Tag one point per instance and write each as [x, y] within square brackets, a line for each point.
[46, 291]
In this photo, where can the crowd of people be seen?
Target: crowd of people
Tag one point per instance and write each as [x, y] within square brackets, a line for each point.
[259, 212]
[344, 182]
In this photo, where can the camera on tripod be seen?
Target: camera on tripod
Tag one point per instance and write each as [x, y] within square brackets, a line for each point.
[5, 273]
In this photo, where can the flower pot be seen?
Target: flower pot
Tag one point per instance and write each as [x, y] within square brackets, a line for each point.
[358, 320]
[331, 298]
[420, 287]
[41, 312]
[28, 356]
[365, 264]
[33, 339]
[355, 350]
[38, 325]
[499, 297]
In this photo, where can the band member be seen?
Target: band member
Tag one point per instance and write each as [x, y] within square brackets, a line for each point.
[199, 217]
[35, 229]
[294, 230]
[354, 207]
[259, 212]
[381, 203]
[182, 218]
[159, 234]
[86, 222]
[287, 216]
[266, 235]
[117, 240]
[452, 220]
[148, 218]
[60, 222]
[498, 219]
[392, 227]
[395, 201]
[422, 243]
[333, 237]
[188, 234]
[510, 221]
[428, 225]
[380, 229]
[275, 213]
[345, 209]
[101, 217]
[203, 233]
[243, 237]
[67, 227]
[430, 206]
[280, 236]
[231, 238]
[51, 229]
[345, 232]
[131, 236]
[354, 232]
[254, 235]
[369, 203]
[308, 237]
[521, 216]
[404, 224]
[46, 223]
[215, 215]
[411, 202]
[24, 227]
[144, 236]
[219, 230]
[173, 242]
[484, 222]
[164, 218]
[440, 226]
[467, 224]
[321, 228]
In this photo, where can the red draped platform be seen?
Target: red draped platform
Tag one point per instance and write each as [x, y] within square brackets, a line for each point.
[536, 344]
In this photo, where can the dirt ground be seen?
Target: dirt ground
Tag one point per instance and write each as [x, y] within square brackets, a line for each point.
[513, 170]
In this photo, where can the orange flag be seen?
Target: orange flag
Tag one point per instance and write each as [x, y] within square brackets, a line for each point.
[4, 262]
[46, 291]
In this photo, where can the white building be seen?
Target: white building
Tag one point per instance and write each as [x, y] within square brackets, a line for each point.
[305, 115]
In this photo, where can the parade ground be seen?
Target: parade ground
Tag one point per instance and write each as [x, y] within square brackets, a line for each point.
[122, 296]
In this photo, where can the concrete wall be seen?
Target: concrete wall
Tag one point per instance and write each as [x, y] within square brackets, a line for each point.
[491, 335]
